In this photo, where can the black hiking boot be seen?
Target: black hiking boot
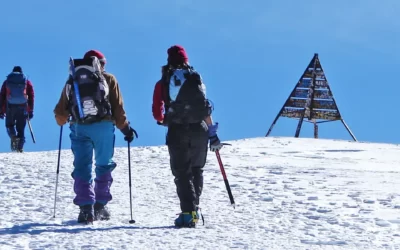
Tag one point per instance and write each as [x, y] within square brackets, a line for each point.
[14, 143]
[101, 212]
[86, 214]
[21, 142]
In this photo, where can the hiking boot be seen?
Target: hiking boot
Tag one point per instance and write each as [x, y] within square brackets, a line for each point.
[14, 143]
[101, 212]
[187, 219]
[21, 142]
[86, 214]
[200, 214]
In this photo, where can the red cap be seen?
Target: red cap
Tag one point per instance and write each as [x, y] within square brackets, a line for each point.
[177, 55]
[97, 54]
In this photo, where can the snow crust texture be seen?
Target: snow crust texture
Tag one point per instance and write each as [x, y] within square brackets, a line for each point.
[290, 194]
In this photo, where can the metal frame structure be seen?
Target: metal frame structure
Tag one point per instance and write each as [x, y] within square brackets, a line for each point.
[312, 99]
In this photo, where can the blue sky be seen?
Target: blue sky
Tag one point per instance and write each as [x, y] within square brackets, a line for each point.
[250, 55]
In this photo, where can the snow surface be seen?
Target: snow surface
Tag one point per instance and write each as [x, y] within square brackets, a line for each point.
[290, 194]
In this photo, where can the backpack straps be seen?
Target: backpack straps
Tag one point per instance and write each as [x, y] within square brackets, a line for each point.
[166, 74]
[167, 71]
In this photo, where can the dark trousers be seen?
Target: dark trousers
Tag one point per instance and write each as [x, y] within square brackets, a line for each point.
[16, 121]
[188, 147]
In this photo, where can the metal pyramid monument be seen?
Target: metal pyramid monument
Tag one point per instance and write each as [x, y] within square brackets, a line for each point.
[311, 100]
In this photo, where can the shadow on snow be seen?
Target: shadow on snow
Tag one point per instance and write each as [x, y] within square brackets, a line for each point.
[68, 227]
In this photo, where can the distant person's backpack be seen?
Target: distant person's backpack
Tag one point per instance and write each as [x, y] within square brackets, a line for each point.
[87, 91]
[16, 84]
[184, 95]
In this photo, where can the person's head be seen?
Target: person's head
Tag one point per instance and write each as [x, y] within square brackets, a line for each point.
[97, 54]
[177, 56]
[17, 69]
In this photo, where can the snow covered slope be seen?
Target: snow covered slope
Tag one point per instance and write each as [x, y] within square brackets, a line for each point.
[290, 194]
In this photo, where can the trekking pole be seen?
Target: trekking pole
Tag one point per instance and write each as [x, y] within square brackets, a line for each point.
[228, 187]
[58, 169]
[130, 183]
[30, 129]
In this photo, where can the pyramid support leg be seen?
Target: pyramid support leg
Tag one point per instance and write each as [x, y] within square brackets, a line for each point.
[315, 130]
[299, 126]
[273, 124]
[348, 130]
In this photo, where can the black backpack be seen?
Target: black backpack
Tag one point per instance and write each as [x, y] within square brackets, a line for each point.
[184, 95]
[87, 91]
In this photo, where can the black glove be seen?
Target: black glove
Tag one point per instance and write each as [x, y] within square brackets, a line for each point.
[162, 124]
[164, 121]
[129, 133]
[2, 116]
[28, 114]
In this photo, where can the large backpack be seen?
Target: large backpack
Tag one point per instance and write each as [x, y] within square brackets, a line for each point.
[184, 96]
[16, 85]
[87, 91]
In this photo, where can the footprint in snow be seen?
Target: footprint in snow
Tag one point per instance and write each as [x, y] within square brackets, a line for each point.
[276, 172]
[385, 202]
[324, 210]
[352, 195]
[369, 201]
[395, 221]
[382, 223]
[290, 187]
[267, 198]
[365, 211]
[311, 242]
[347, 205]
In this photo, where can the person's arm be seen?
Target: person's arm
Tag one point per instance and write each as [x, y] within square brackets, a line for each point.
[61, 111]
[31, 96]
[3, 98]
[158, 103]
[209, 120]
[118, 111]
[117, 104]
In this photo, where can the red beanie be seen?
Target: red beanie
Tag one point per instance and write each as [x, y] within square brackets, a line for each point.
[177, 55]
[97, 54]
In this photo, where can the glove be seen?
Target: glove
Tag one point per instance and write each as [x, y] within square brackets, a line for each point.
[2, 116]
[129, 133]
[163, 122]
[28, 114]
[215, 143]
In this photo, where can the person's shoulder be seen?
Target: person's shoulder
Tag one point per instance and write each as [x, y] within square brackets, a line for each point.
[108, 75]
[110, 78]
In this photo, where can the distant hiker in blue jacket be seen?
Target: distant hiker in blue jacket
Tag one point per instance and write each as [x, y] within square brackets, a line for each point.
[17, 99]
[102, 108]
